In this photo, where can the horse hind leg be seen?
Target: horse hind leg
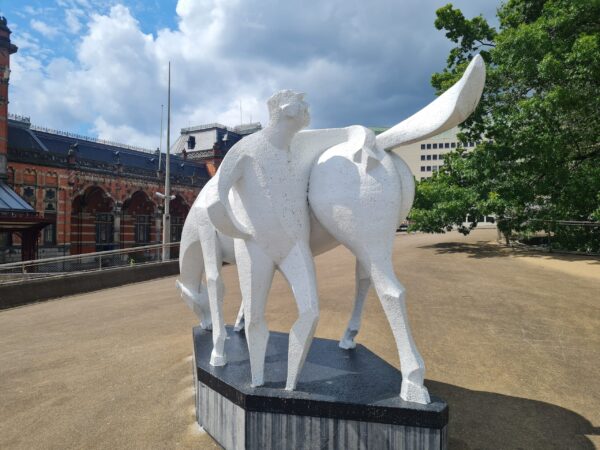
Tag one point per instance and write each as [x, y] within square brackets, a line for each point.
[363, 283]
[392, 296]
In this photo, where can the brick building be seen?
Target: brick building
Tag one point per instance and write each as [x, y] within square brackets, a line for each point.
[62, 193]
[95, 195]
[16, 215]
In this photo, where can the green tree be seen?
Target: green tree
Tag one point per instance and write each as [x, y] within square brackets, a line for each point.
[538, 120]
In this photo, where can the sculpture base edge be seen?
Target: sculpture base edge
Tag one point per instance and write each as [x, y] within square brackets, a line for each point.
[345, 399]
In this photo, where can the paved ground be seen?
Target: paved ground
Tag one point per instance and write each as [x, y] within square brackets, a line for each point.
[510, 341]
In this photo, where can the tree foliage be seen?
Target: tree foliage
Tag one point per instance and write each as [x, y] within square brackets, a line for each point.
[538, 120]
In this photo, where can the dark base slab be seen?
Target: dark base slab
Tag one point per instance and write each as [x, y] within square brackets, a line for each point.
[344, 399]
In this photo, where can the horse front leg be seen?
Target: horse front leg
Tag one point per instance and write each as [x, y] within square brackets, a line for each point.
[363, 283]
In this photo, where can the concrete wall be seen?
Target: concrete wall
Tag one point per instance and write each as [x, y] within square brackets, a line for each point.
[32, 291]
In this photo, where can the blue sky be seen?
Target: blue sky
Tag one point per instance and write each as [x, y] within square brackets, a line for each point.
[98, 67]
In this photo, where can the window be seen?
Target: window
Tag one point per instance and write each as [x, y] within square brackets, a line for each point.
[428, 146]
[422, 168]
[422, 157]
[422, 146]
[447, 145]
[435, 157]
[104, 231]
[428, 168]
[453, 145]
[50, 234]
[142, 229]
[29, 195]
[5, 239]
[191, 142]
[442, 156]
[50, 200]
[434, 145]
[176, 228]
[428, 157]
[434, 168]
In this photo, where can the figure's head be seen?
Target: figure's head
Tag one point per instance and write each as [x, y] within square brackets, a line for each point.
[290, 106]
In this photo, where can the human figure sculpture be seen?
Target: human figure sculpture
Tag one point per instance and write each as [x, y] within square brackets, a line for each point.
[358, 194]
[272, 226]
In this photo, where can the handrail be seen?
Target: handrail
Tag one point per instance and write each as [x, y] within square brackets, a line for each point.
[85, 255]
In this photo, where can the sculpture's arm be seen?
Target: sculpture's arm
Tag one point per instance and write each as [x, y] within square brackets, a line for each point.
[447, 111]
[311, 143]
[218, 206]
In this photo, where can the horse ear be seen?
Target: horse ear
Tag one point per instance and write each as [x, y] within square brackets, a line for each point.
[447, 111]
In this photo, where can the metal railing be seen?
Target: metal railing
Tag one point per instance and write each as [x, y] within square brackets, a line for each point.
[18, 272]
[90, 139]
[27, 120]
[19, 118]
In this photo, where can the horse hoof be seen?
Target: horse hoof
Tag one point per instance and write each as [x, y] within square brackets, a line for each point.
[347, 344]
[217, 361]
[206, 325]
[239, 327]
[412, 392]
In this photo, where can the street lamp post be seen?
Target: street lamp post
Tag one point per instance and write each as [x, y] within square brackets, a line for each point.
[167, 197]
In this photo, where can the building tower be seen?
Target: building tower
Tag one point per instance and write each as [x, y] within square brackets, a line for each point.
[6, 49]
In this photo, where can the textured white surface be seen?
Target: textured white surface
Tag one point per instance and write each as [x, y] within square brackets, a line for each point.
[286, 195]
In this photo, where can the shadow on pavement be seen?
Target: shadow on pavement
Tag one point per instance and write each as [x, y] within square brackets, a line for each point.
[485, 420]
[486, 249]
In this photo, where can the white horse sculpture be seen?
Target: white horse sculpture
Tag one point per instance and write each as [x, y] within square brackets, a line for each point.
[359, 192]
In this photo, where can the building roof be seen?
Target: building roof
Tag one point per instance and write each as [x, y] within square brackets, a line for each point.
[27, 143]
[224, 138]
[11, 202]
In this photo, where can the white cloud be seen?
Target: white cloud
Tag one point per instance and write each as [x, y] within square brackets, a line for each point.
[44, 29]
[73, 17]
[359, 62]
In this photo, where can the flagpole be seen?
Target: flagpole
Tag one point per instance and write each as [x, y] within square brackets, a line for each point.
[162, 107]
[166, 216]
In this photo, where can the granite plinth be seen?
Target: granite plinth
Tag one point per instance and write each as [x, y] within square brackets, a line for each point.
[344, 399]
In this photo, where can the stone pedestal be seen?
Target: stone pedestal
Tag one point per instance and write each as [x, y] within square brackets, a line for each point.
[345, 399]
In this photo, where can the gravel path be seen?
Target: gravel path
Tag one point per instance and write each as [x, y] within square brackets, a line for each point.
[511, 341]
